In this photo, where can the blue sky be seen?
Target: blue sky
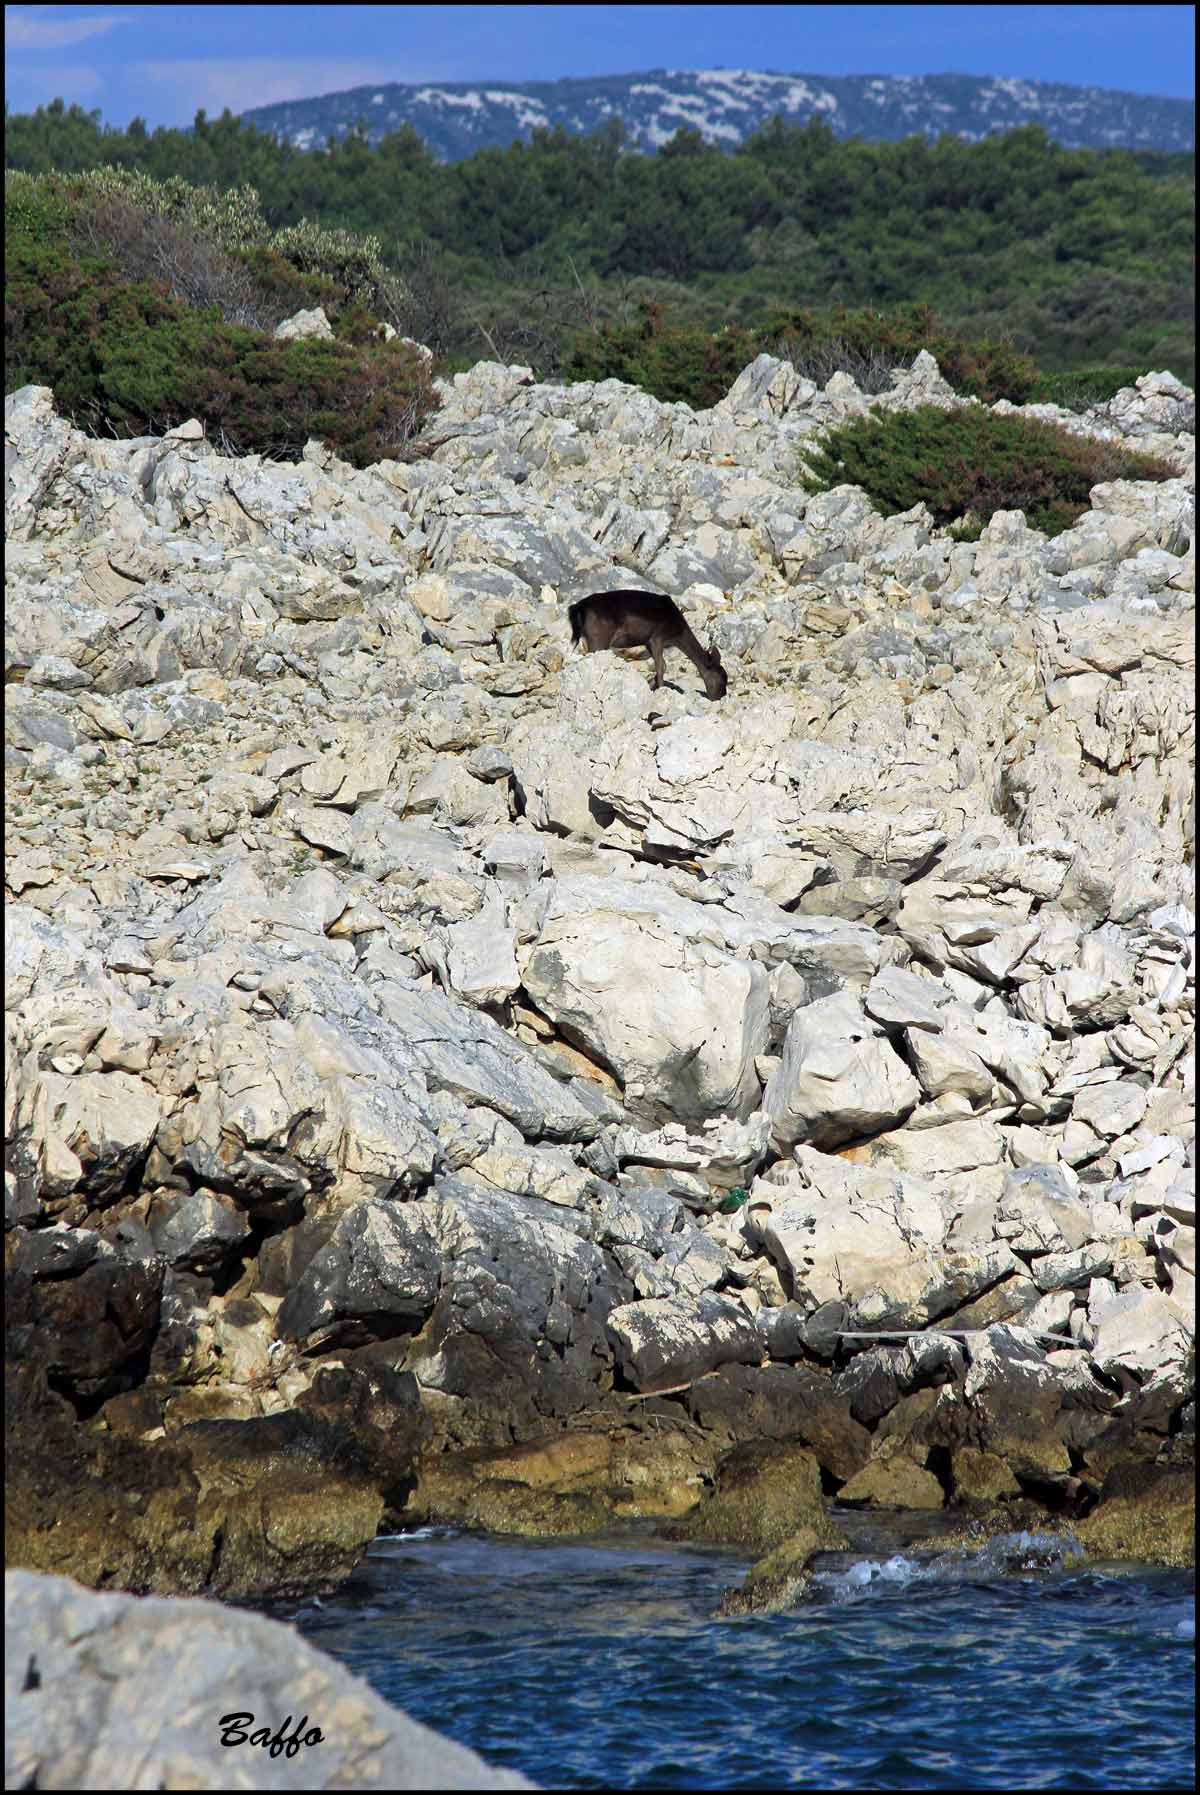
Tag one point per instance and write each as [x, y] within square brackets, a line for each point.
[163, 62]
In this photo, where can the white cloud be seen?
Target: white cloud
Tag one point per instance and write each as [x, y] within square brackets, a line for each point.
[23, 32]
[243, 82]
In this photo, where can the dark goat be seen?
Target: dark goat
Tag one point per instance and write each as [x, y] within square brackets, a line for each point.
[632, 619]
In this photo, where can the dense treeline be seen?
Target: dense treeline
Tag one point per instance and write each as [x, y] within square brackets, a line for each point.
[1079, 257]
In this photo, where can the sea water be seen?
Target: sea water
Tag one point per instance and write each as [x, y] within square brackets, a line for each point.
[599, 1664]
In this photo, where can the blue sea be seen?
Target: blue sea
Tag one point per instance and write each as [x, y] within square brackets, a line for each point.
[597, 1664]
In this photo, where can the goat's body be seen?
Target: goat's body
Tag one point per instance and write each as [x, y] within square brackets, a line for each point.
[628, 618]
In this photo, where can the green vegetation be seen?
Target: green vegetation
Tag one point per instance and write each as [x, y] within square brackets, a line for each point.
[146, 273]
[1078, 388]
[674, 362]
[552, 252]
[686, 361]
[143, 304]
[971, 463]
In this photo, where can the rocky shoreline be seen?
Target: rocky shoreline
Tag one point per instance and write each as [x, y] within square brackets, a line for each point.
[451, 1081]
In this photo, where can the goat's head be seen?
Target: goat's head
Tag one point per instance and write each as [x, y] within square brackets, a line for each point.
[716, 681]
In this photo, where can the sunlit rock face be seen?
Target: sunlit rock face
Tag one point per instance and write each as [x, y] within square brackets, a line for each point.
[425, 1040]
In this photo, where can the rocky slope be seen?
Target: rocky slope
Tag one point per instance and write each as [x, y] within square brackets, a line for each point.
[456, 118]
[395, 996]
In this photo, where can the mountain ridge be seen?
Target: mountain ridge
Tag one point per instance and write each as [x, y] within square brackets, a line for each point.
[457, 118]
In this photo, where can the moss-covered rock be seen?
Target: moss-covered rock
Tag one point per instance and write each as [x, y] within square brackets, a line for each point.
[783, 1577]
[895, 1482]
[795, 1404]
[1000, 1522]
[763, 1494]
[1156, 1524]
[981, 1476]
[573, 1483]
[278, 1505]
[136, 1497]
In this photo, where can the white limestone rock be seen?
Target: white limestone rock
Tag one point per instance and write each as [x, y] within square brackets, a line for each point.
[481, 959]
[667, 1340]
[312, 323]
[838, 1078]
[646, 982]
[871, 1239]
[1140, 1332]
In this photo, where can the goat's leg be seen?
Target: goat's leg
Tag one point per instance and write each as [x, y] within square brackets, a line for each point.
[656, 649]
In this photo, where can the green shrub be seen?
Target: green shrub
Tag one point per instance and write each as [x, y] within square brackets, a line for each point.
[364, 403]
[353, 263]
[126, 356]
[158, 227]
[283, 286]
[36, 208]
[233, 218]
[675, 360]
[971, 460]
[1081, 388]
[983, 368]
[140, 246]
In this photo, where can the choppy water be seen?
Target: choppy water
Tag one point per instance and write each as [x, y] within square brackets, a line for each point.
[598, 1664]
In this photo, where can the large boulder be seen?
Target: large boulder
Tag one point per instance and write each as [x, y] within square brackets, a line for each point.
[872, 1241]
[838, 1078]
[644, 980]
[108, 1691]
[664, 1341]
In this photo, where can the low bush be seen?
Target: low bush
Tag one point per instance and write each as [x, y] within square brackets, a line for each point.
[969, 460]
[364, 403]
[871, 370]
[137, 325]
[37, 208]
[211, 246]
[352, 263]
[672, 361]
[285, 290]
[149, 246]
[675, 360]
[984, 368]
[1080, 388]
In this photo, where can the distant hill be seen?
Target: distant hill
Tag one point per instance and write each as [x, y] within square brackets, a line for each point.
[456, 118]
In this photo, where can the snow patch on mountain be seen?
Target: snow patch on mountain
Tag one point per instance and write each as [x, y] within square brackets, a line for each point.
[727, 105]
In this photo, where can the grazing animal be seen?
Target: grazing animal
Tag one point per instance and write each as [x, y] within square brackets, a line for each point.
[631, 619]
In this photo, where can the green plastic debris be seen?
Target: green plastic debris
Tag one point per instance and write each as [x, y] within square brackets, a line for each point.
[734, 1200]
